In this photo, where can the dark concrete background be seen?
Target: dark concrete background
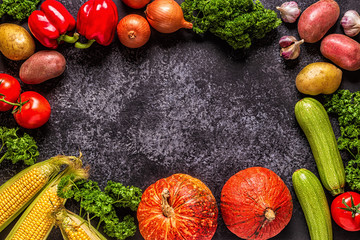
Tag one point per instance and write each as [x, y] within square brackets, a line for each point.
[182, 103]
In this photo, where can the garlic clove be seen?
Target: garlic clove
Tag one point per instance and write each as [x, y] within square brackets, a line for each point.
[289, 11]
[292, 51]
[351, 23]
[286, 41]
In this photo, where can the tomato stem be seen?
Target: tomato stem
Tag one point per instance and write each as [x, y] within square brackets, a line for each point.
[17, 104]
[167, 210]
[354, 209]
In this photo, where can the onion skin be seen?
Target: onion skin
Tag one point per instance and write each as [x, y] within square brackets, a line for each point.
[341, 50]
[166, 16]
[136, 4]
[133, 31]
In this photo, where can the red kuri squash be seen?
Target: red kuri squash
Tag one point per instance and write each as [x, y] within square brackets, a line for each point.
[256, 204]
[177, 207]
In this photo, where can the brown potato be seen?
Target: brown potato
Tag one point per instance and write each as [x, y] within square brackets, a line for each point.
[317, 19]
[15, 42]
[42, 66]
[319, 77]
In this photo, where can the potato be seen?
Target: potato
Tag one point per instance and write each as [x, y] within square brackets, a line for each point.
[341, 50]
[15, 42]
[319, 77]
[42, 66]
[317, 19]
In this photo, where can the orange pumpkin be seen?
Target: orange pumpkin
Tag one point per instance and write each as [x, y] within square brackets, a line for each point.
[256, 204]
[177, 207]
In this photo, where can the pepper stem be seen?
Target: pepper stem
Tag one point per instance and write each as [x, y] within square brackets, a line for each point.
[68, 39]
[167, 210]
[84, 45]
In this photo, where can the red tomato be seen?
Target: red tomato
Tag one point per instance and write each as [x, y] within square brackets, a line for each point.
[9, 91]
[35, 112]
[347, 219]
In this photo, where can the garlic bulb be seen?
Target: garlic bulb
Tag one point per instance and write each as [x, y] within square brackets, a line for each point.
[289, 11]
[290, 47]
[286, 41]
[351, 23]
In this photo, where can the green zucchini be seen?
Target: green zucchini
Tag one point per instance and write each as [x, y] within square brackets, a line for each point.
[311, 196]
[314, 121]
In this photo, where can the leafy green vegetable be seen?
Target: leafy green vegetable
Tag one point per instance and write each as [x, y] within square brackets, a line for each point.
[236, 21]
[18, 9]
[346, 106]
[125, 197]
[102, 204]
[17, 148]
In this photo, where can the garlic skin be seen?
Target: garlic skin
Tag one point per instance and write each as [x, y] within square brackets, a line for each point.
[292, 51]
[351, 23]
[289, 11]
[286, 41]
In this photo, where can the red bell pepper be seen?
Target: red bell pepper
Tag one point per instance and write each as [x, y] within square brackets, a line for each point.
[50, 24]
[97, 21]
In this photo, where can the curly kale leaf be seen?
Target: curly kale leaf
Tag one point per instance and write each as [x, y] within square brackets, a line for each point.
[346, 106]
[238, 22]
[18, 9]
[18, 148]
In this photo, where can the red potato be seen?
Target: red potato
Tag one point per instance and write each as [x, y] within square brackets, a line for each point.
[42, 66]
[317, 19]
[341, 50]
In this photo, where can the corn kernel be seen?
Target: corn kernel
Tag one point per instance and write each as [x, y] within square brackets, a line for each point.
[22, 190]
[39, 220]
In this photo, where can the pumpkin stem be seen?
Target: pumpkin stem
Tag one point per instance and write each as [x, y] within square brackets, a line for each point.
[269, 214]
[167, 210]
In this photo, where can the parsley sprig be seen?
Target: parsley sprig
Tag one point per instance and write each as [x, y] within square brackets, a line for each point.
[346, 106]
[17, 148]
[95, 203]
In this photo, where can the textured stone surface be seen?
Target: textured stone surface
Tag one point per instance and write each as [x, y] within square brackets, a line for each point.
[183, 103]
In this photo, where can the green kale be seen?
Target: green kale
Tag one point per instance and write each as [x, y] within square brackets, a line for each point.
[18, 9]
[346, 106]
[236, 21]
[102, 204]
[17, 148]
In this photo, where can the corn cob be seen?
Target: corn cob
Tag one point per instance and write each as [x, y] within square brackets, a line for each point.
[37, 221]
[16, 193]
[73, 227]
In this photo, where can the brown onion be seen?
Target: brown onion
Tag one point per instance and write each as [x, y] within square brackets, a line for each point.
[166, 16]
[133, 31]
[137, 4]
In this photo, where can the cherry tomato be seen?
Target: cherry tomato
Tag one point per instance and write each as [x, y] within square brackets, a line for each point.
[9, 91]
[34, 112]
[345, 210]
